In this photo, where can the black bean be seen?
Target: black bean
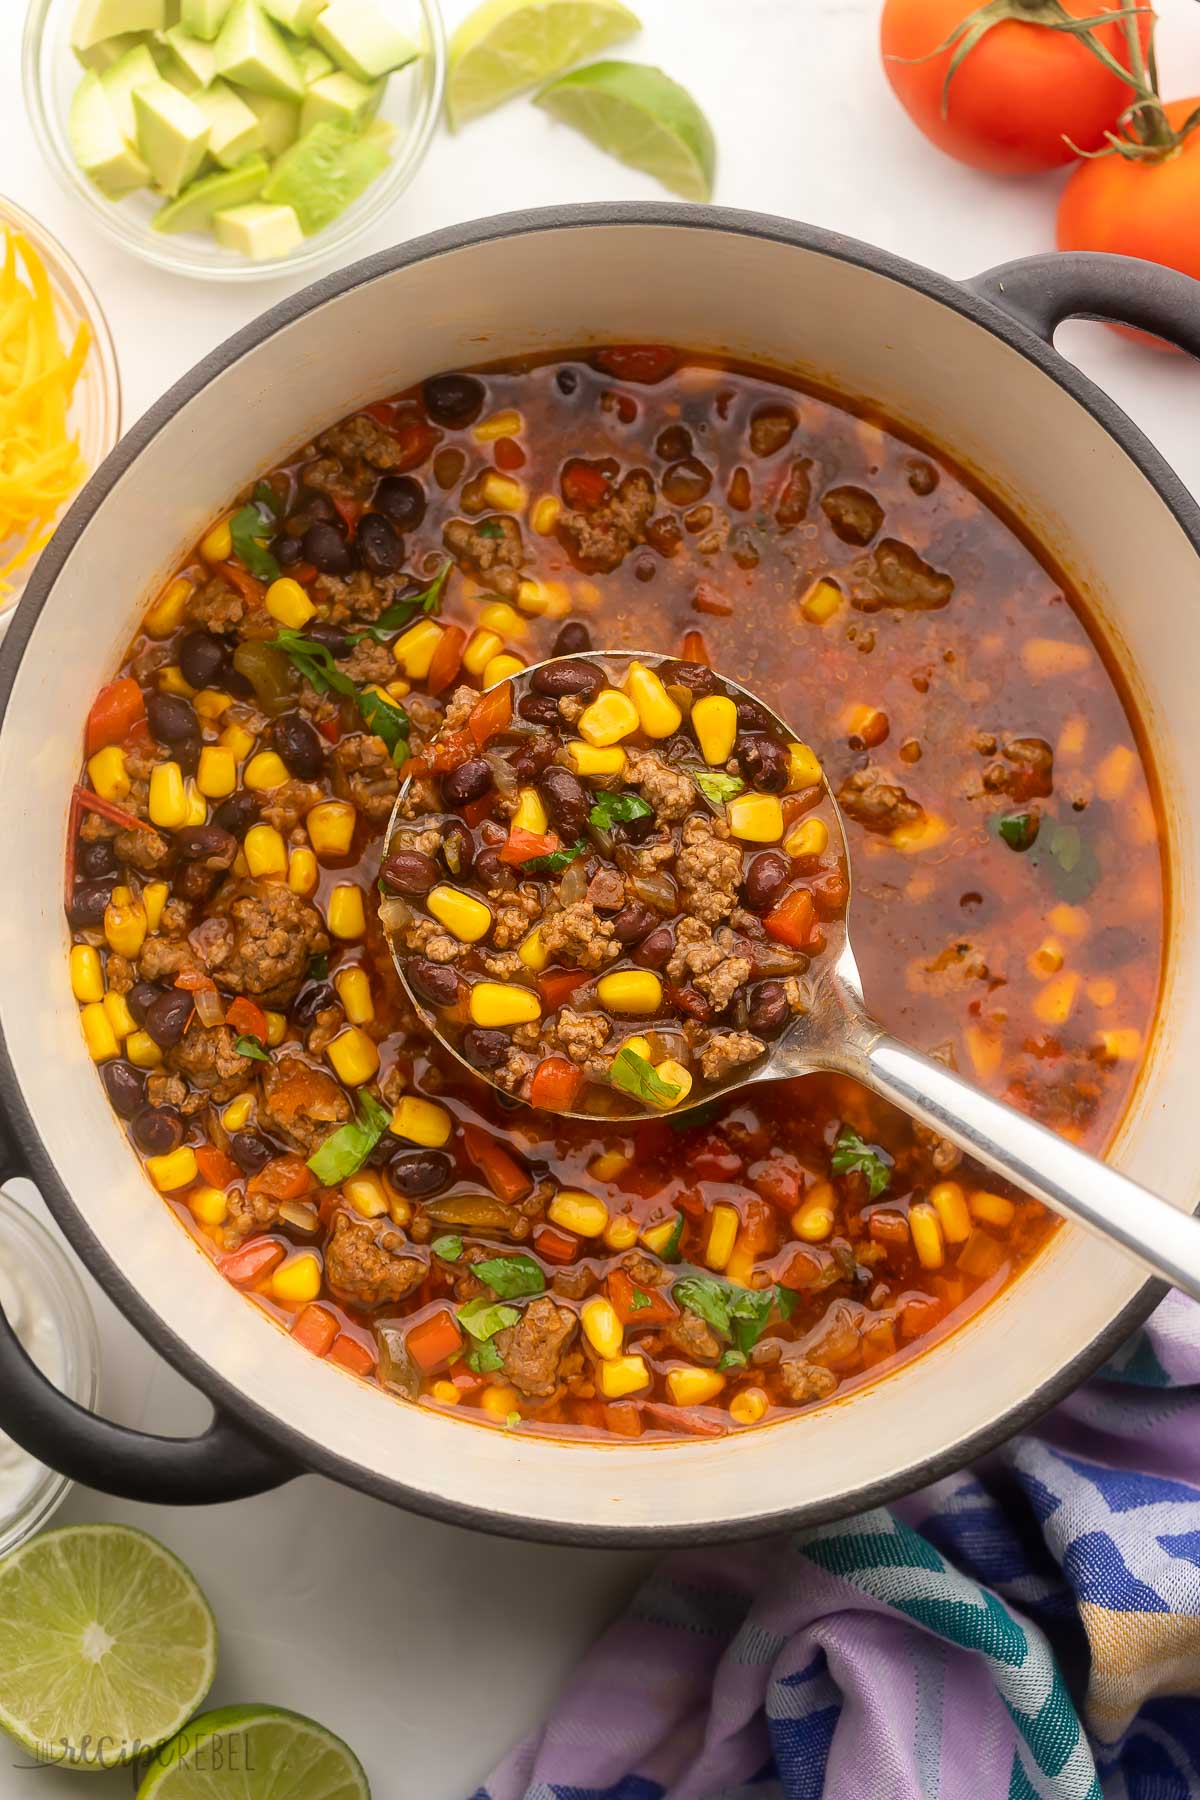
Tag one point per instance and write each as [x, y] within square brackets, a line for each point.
[238, 813]
[334, 638]
[490, 872]
[88, 902]
[453, 400]
[539, 709]
[567, 382]
[287, 550]
[751, 716]
[379, 549]
[693, 675]
[673, 443]
[570, 677]
[566, 802]
[250, 1150]
[233, 681]
[536, 753]
[141, 998]
[435, 983]
[418, 1172]
[635, 831]
[313, 999]
[299, 744]
[200, 657]
[156, 1130]
[686, 482]
[326, 549]
[769, 1009]
[768, 874]
[166, 1020]
[124, 1085]
[410, 872]
[486, 1049]
[171, 718]
[764, 763]
[470, 781]
[96, 858]
[458, 850]
[187, 753]
[206, 843]
[632, 923]
[317, 508]
[573, 639]
[194, 882]
[655, 950]
[402, 498]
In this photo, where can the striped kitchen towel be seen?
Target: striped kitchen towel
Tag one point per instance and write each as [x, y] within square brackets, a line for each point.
[1030, 1628]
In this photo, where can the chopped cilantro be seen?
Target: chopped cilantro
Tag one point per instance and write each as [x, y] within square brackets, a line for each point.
[670, 1250]
[716, 787]
[265, 495]
[449, 1248]
[732, 1359]
[618, 809]
[318, 967]
[491, 528]
[388, 722]
[251, 533]
[251, 1047]
[511, 1276]
[852, 1156]
[635, 1074]
[484, 1359]
[555, 860]
[638, 1300]
[1068, 860]
[733, 1312]
[402, 612]
[1018, 830]
[314, 661]
[483, 1318]
[346, 1150]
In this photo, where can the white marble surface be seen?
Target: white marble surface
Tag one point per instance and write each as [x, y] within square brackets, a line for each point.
[428, 1647]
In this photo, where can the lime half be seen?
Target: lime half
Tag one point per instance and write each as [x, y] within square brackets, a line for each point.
[106, 1645]
[506, 46]
[643, 118]
[257, 1753]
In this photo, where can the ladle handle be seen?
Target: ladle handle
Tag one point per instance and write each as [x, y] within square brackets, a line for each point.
[1036, 1160]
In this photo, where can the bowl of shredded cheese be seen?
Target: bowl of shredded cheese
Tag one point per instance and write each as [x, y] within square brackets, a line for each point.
[60, 396]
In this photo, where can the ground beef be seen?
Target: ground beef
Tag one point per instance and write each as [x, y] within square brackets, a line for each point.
[370, 664]
[176, 918]
[118, 973]
[206, 1055]
[92, 827]
[216, 605]
[606, 890]
[360, 596]
[363, 437]
[246, 1214]
[771, 428]
[708, 868]
[802, 1381]
[577, 935]
[161, 959]
[669, 791]
[145, 851]
[645, 1272]
[693, 1338]
[340, 481]
[166, 1089]
[709, 961]
[894, 575]
[876, 804]
[490, 549]
[514, 912]
[854, 515]
[943, 1156]
[514, 1070]
[727, 1050]
[796, 496]
[575, 1283]
[425, 937]
[600, 540]
[303, 1103]
[291, 802]
[365, 764]
[325, 1027]
[364, 1263]
[582, 1036]
[420, 800]
[532, 1350]
[505, 967]
[1026, 772]
[274, 936]
[647, 858]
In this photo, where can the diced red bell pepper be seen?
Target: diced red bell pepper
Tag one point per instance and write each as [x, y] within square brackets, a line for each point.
[249, 1264]
[558, 985]
[447, 658]
[636, 1305]
[383, 412]
[116, 709]
[247, 1019]
[792, 921]
[349, 511]
[713, 1158]
[450, 749]
[759, 1233]
[434, 1341]
[584, 485]
[330, 728]
[502, 1172]
[509, 455]
[217, 1169]
[247, 585]
[646, 363]
[623, 1418]
[476, 811]
[283, 1178]
[555, 1085]
[521, 845]
[350, 1354]
[779, 1182]
[695, 650]
[491, 713]
[316, 1328]
[415, 441]
[708, 599]
[555, 1245]
[681, 1419]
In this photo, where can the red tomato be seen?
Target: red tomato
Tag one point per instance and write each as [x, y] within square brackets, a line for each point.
[447, 658]
[647, 363]
[116, 709]
[1017, 94]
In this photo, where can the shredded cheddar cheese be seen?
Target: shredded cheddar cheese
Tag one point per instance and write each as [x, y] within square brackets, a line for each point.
[40, 462]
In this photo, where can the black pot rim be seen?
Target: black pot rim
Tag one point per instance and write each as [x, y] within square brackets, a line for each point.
[310, 1456]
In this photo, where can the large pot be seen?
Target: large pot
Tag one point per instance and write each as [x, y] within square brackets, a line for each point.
[971, 368]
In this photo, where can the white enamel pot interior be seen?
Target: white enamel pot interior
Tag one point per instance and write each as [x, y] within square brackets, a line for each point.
[926, 353]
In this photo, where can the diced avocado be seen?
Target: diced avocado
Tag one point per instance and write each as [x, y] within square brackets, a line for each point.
[322, 173]
[280, 121]
[295, 16]
[192, 57]
[109, 51]
[96, 20]
[258, 231]
[312, 63]
[234, 128]
[362, 40]
[194, 208]
[251, 51]
[203, 18]
[341, 99]
[172, 134]
[100, 148]
[135, 69]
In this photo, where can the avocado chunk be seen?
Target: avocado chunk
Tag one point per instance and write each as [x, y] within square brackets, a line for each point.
[233, 127]
[362, 40]
[109, 51]
[135, 69]
[323, 173]
[98, 144]
[295, 16]
[195, 206]
[191, 63]
[258, 231]
[172, 134]
[340, 99]
[203, 18]
[280, 120]
[251, 52]
[96, 20]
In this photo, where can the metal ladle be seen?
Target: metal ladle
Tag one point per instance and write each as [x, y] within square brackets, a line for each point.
[837, 1034]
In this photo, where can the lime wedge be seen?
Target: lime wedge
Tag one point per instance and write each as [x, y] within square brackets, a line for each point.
[257, 1753]
[505, 46]
[106, 1645]
[643, 118]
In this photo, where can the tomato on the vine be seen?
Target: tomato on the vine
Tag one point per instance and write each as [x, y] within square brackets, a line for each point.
[1021, 95]
[1137, 206]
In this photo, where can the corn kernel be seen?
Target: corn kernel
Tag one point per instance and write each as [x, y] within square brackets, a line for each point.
[1122, 1044]
[601, 1327]
[609, 1165]
[804, 768]
[656, 710]
[748, 1406]
[122, 895]
[177, 1169]
[400, 1209]
[354, 991]
[345, 913]
[481, 647]
[1067, 921]
[496, 1004]
[985, 1049]
[499, 616]
[714, 721]
[142, 1050]
[125, 926]
[237, 740]
[265, 850]
[547, 510]
[330, 827]
[166, 615]
[630, 991]
[546, 599]
[621, 1232]
[106, 772]
[264, 771]
[171, 680]
[1115, 772]
[611, 716]
[531, 812]
[303, 873]
[287, 601]
[1053, 1004]
[398, 689]
[640, 1047]
[950, 1204]
[208, 1206]
[501, 668]
[365, 1192]
[504, 493]
[414, 650]
[1102, 991]
[756, 818]
[298, 1280]
[573, 1210]
[197, 805]
[812, 1220]
[276, 1028]
[154, 898]
[167, 804]
[926, 1230]
[992, 1209]
[1046, 960]
[212, 703]
[533, 952]
[722, 1235]
[821, 602]
[501, 424]
[809, 838]
[237, 1114]
[119, 1015]
[422, 1122]
[694, 1387]
[499, 1400]
[240, 867]
[674, 1075]
[656, 1237]
[98, 1033]
[354, 1057]
[445, 1393]
[87, 976]
[589, 759]
[622, 1375]
[464, 917]
[217, 547]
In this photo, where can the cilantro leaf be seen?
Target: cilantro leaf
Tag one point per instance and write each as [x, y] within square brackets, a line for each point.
[484, 1359]
[265, 495]
[318, 967]
[483, 1318]
[491, 528]
[638, 1300]
[449, 1248]
[387, 722]
[852, 1156]
[733, 1312]
[402, 612]
[512, 1420]
[556, 860]
[670, 1250]
[346, 1150]
[251, 533]
[635, 1074]
[1018, 830]
[511, 1276]
[618, 809]
[716, 787]
[1069, 861]
[732, 1359]
[250, 1046]
[314, 662]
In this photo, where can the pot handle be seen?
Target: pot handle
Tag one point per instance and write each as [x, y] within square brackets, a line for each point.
[223, 1463]
[1042, 291]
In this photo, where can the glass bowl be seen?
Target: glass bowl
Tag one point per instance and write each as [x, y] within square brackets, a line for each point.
[50, 73]
[96, 406]
[37, 1270]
